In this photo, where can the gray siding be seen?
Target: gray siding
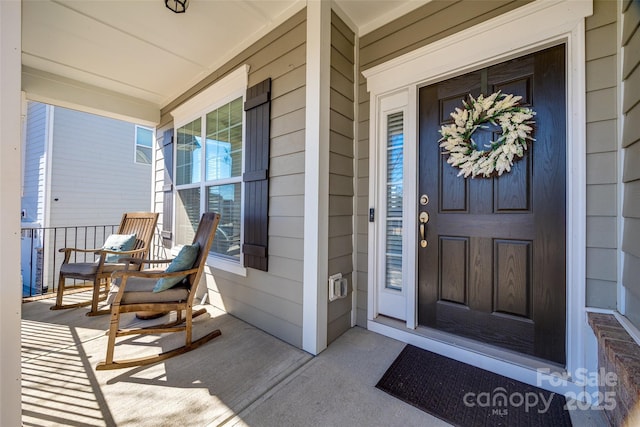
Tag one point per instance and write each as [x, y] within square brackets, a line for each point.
[341, 156]
[94, 176]
[631, 171]
[34, 163]
[427, 24]
[602, 154]
[157, 179]
[271, 300]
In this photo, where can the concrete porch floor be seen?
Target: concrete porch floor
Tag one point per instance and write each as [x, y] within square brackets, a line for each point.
[245, 377]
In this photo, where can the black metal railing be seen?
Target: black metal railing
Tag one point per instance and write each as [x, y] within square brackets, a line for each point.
[41, 260]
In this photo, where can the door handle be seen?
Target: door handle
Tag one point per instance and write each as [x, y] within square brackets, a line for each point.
[424, 218]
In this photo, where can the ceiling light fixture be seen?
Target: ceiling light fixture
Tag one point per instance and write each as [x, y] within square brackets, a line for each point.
[177, 6]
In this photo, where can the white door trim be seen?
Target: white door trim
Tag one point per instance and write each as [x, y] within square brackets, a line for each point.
[524, 30]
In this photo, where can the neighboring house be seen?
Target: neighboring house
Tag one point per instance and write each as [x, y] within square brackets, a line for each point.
[325, 171]
[80, 169]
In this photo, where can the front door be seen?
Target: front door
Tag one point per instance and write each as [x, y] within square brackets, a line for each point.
[493, 268]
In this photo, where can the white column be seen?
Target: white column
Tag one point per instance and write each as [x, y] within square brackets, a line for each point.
[316, 181]
[10, 161]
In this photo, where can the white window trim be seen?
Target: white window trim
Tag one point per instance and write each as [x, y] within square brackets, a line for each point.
[232, 86]
[212, 96]
[397, 301]
[526, 29]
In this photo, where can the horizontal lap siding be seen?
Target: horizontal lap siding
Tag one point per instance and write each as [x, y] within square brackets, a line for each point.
[340, 250]
[158, 185]
[33, 191]
[272, 300]
[426, 24]
[87, 149]
[631, 171]
[431, 22]
[602, 155]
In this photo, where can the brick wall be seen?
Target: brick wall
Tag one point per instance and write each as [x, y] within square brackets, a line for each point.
[620, 354]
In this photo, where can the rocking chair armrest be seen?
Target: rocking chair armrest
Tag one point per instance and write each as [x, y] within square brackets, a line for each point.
[151, 274]
[124, 253]
[94, 250]
[139, 261]
[69, 251]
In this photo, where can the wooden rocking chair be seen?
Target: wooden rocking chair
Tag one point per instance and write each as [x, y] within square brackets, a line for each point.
[142, 224]
[133, 291]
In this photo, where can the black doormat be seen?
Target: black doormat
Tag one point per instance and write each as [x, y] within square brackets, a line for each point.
[467, 396]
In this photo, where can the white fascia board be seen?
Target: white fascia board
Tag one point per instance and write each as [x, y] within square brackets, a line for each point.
[52, 89]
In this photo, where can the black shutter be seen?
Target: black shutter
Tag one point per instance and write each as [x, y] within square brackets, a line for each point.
[256, 176]
[167, 189]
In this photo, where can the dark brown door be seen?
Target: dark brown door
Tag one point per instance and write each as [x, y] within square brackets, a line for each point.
[494, 267]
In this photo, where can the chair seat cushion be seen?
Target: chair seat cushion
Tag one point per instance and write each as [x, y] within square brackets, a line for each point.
[140, 290]
[88, 268]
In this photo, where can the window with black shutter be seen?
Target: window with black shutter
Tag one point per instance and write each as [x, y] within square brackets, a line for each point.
[220, 155]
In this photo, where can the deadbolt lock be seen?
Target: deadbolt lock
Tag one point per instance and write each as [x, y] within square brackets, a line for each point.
[424, 199]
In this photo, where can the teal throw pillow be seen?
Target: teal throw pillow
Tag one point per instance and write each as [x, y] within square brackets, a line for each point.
[118, 243]
[184, 261]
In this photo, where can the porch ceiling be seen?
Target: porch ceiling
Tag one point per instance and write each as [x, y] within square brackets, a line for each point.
[141, 51]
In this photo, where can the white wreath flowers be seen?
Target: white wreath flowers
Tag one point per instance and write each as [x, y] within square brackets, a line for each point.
[500, 110]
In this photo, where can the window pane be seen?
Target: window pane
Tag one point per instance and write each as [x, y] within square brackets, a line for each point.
[394, 273]
[188, 153]
[235, 111]
[394, 180]
[224, 141]
[144, 136]
[187, 215]
[143, 155]
[395, 156]
[225, 200]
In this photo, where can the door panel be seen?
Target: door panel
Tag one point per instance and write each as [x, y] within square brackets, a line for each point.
[494, 267]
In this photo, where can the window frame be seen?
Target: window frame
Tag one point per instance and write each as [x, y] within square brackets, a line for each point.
[224, 91]
[135, 145]
[396, 301]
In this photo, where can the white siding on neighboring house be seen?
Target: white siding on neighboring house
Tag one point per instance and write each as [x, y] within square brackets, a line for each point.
[94, 178]
[34, 164]
[79, 170]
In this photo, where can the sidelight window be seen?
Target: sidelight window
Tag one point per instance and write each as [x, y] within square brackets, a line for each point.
[394, 191]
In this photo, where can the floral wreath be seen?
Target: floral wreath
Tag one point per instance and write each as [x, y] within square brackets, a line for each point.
[500, 110]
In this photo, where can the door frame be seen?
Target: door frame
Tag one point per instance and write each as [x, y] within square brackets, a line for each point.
[531, 27]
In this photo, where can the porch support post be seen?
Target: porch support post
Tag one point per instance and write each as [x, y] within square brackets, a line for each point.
[316, 181]
[10, 161]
